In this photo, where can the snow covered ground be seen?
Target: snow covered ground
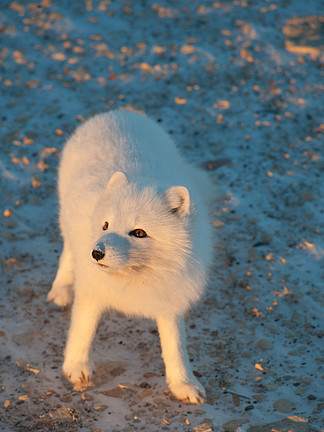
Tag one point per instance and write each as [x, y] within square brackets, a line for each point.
[239, 85]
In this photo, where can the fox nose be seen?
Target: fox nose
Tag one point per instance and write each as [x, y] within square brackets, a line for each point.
[97, 254]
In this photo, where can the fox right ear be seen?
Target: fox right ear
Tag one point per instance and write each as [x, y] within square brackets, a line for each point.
[178, 200]
[117, 180]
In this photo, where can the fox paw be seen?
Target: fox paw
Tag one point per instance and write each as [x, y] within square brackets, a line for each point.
[78, 374]
[61, 295]
[189, 392]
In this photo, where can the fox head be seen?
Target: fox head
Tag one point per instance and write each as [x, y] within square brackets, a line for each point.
[141, 229]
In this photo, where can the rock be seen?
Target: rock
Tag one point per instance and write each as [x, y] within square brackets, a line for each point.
[106, 371]
[13, 263]
[259, 397]
[150, 375]
[100, 408]
[284, 406]
[303, 35]
[26, 366]
[128, 386]
[60, 414]
[204, 427]
[307, 196]
[86, 397]
[218, 224]
[212, 165]
[26, 337]
[115, 392]
[10, 136]
[264, 344]
[295, 424]
[145, 393]
[66, 398]
[232, 425]
[160, 402]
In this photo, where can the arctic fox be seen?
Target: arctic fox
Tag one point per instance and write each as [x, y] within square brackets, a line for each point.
[136, 239]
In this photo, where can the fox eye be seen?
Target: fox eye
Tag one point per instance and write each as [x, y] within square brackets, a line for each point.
[105, 226]
[138, 233]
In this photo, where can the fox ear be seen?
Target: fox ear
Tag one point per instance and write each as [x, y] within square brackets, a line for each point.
[179, 200]
[116, 181]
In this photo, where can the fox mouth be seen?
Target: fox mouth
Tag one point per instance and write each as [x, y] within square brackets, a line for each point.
[108, 269]
[131, 269]
[137, 268]
[123, 270]
[102, 266]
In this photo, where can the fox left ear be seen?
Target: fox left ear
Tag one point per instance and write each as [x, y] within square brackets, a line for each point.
[179, 200]
[116, 181]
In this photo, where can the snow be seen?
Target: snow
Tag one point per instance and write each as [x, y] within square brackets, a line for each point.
[219, 78]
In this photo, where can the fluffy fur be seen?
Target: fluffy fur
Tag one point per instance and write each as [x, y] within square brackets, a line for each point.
[136, 239]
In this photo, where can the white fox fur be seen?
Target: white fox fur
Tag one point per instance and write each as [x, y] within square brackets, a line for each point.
[136, 238]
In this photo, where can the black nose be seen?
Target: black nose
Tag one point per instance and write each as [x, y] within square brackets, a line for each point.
[98, 254]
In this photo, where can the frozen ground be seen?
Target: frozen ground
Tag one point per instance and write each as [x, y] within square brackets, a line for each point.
[239, 84]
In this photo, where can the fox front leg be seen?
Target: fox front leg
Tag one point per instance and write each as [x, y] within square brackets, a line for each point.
[182, 383]
[85, 316]
[61, 291]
